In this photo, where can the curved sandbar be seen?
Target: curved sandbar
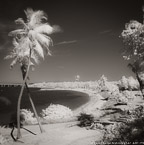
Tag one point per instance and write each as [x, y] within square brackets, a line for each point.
[73, 99]
[42, 98]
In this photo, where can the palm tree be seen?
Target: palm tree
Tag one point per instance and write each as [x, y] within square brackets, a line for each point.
[31, 43]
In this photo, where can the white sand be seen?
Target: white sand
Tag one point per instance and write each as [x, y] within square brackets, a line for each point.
[62, 133]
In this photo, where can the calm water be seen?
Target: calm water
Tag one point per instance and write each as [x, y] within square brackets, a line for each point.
[42, 99]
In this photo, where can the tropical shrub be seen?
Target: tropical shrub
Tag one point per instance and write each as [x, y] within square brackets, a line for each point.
[132, 130]
[123, 97]
[128, 83]
[123, 83]
[28, 117]
[136, 113]
[85, 120]
[95, 126]
[2, 139]
[56, 113]
[128, 94]
[133, 84]
[3, 135]
[104, 85]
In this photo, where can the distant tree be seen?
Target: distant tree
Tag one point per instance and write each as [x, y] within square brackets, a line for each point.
[31, 42]
[133, 40]
[77, 78]
[102, 83]
[123, 83]
[133, 83]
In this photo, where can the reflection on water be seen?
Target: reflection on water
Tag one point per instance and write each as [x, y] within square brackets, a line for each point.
[42, 99]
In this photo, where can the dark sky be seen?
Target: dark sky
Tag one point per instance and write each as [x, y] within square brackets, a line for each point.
[89, 45]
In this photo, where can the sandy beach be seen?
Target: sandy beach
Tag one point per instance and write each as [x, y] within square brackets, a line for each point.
[67, 133]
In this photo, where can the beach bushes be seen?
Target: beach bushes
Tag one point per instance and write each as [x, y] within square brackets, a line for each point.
[128, 83]
[85, 120]
[104, 85]
[131, 130]
[56, 113]
[123, 97]
[2, 139]
[28, 117]
[92, 85]
[3, 135]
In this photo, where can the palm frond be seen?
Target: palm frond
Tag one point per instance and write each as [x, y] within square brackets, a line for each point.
[56, 29]
[10, 56]
[14, 62]
[40, 43]
[24, 47]
[15, 42]
[33, 36]
[44, 29]
[47, 29]
[29, 12]
[15, 33]
[44, 41]
[35, 57]
[21, 49]
[36, 18]
[39, 49]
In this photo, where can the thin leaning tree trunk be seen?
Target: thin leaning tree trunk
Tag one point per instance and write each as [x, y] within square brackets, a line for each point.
[19, 100]
[34, 109]
[140, 83]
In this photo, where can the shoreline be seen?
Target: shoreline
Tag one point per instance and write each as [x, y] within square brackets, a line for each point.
[67, 132]
[5, 117]
[94, 103]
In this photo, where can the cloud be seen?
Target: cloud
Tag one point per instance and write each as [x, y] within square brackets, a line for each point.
[5, 28]
[66, 42]
[106, 31]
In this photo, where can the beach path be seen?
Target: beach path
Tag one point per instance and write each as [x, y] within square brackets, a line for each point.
[59, 134]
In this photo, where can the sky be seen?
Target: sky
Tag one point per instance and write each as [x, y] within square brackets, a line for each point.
[88, 45]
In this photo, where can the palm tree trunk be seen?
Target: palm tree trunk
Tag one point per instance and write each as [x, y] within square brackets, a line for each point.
[19, 103]
[34, 109]
[24, 69]
[20, 97]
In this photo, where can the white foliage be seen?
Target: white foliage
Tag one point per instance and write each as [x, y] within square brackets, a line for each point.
[3, 135]
[133, 83]
[2, 139]
[56, 113]
[44, 29]
[128, 94]
[128, 83]
[112, 87]
[123, 83]
[133, 41]
[34, 36]
[141, 75]
[28, 116]
[131, 28]
[104, 85]
[35, 17]
[120, 98]
[124, 96]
